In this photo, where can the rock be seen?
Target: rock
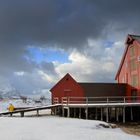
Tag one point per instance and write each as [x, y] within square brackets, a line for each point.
[113, 125]
[104, 125]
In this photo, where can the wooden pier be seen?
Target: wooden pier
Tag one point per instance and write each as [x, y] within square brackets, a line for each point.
[120, 108]
[22, 111]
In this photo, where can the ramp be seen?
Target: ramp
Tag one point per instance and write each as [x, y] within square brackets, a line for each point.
[22, 111]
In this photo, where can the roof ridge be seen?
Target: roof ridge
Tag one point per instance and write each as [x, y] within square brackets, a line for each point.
[134, 35]
[97, 83]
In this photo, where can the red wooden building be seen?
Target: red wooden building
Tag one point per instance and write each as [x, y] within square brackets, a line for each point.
[129, 69]
[68, 87]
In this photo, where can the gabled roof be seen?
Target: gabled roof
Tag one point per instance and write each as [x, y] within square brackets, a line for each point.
[129, 40]
[65, 77]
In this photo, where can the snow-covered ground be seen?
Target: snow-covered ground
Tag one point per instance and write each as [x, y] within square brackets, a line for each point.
[53, 128]
[57, 128]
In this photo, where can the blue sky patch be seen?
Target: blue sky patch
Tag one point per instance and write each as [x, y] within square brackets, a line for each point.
[47, 54]
[108, 44]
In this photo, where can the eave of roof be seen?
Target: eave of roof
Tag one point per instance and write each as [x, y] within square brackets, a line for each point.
[82, 83]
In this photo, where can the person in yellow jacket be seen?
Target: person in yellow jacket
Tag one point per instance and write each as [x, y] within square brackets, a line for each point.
[11, 108]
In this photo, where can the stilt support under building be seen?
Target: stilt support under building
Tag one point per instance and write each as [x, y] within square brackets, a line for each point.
[74, 112]
[101, 114]
[63, 111]
[124, 114]
[96, 113]
[55, 111]
[86, 111]
[131, 113]
[117, 114]
[107, 115]
[68, 112]
[79, 113]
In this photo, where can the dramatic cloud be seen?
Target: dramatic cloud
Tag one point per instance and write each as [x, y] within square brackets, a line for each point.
[97, 64]
[90, 32]
[63, 22]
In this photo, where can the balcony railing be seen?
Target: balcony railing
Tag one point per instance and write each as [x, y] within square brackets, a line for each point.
[97, 100]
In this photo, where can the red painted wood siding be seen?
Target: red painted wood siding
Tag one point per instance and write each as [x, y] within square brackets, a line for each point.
[67, 87]
[126, 73]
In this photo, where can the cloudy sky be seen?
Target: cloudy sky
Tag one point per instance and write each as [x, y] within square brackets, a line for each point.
[42, 40]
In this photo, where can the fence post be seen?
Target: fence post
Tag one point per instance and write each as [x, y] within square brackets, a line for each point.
[107, 100]
[62, 100]
[87, 100]
[124, 99]
[67, 101]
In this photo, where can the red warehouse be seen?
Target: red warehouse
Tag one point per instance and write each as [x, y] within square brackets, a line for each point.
[129, 69]
[68, 87]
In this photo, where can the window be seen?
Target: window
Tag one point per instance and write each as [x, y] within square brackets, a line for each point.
[133, 64]
[134, 80]
[132, 51]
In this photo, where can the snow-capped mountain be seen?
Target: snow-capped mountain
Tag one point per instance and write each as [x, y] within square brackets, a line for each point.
[8, 91]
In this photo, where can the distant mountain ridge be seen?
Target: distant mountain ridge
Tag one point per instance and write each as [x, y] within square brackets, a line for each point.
[8, 92]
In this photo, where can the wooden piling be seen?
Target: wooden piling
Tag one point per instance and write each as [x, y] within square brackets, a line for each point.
[86, 111]
[74, 112]
[101, 114]
[22, 114]
[63, 111]
[117, 115]
[37, 112]
[55, 111]
[131, 113]
[124, 114]
[68, 112]
[96, 113]
[80, 113]
[107, 115]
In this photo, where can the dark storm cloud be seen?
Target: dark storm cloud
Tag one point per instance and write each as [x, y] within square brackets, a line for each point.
[61, 22]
